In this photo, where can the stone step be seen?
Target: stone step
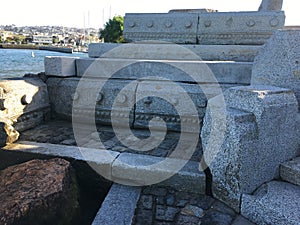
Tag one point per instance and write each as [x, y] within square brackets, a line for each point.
[274, 203]
[146, 50]
[290, 171]
[124, 168]
[191, 71]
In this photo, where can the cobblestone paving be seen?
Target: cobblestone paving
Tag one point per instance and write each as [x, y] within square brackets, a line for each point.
[166, 206]
[157, 205]
[61, 132]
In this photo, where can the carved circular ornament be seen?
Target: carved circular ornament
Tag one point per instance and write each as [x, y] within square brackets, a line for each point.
[274, 22]
[251, 23]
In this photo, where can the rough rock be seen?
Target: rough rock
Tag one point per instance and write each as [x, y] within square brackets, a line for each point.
[38, 192]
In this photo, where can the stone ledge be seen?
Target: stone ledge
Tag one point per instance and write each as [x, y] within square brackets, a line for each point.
[148, 50]
[117, 166]
[118, 206]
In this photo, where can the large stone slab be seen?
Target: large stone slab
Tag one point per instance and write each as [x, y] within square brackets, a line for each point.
[140, 170]
[39, 192]
[148, 50]
[119, 206]
[210, 28]
[60, 66]
[101, 160]
[227, 72]
[278, 62]
[248, 148]
[275, 203]
[290, 171]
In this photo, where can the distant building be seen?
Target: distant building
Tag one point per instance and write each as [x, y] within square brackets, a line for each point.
[39, 39]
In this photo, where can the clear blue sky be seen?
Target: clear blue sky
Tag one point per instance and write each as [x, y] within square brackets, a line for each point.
[75, 13]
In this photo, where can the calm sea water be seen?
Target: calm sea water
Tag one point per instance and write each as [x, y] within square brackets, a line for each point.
[16, 62]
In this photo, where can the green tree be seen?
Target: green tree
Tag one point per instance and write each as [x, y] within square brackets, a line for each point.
[113, 30]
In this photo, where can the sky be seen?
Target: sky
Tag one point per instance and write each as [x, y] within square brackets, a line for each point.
[95, 13]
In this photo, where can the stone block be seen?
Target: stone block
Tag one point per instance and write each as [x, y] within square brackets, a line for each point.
[278, 62]
[119, 206]
[275, 203]
[290, 171]
[60, 66]
[139, 170]
[99, 159]
[148, 50]
[174, 70]
[237, 28]
[168, 27]
[242, 146]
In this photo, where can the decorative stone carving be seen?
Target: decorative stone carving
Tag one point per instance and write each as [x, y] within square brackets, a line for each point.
[205, 27]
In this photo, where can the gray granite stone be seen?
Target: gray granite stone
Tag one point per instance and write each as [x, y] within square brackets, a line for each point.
[290, 171]
[60, 66]
[166, 213]
[278, 62]
[100, 160]
[187, 220]
[147, 201]
[144, 170]
[216, 218]
[238, 53]
[169, 27]
[209, 28]
[240, 220]
[275, 203]
[253, 148]
[191, 210]
[199, 71]
[118, 206]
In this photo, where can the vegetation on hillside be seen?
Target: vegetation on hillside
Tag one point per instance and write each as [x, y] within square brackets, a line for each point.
[113, 30]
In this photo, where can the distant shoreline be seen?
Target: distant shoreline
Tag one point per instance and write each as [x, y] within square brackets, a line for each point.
[37, 47]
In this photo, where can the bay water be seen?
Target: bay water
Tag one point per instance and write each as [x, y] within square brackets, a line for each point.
[17, 62]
